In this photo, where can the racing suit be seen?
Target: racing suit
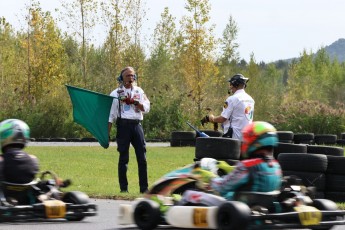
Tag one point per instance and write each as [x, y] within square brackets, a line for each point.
[16, 166]
[257, 175]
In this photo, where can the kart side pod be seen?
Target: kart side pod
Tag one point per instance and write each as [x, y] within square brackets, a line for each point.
[192, 217]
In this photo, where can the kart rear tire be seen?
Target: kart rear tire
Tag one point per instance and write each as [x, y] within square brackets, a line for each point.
[233, 215]
[325, 205]
[147, 215]
[76, 197]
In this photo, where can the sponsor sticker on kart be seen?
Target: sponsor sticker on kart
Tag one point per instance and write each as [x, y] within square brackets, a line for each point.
[308, 215]
[55, 208]
[200, 217]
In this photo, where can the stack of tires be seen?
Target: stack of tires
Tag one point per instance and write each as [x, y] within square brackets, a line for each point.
[182, 138]
[311, 168]
[289, 148]
[303, 138]
[341, 141]
[219, 148]
[321, 167]
[325, 139]
[285, 136]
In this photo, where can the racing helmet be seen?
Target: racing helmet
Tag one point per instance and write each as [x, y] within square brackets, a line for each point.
[258, 135]
[14, 132]
[238, 79]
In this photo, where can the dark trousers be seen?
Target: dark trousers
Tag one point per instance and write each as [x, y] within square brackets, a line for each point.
[131, 132]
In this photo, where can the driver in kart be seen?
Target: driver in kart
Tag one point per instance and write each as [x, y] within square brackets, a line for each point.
[257, 172]
[16, 166]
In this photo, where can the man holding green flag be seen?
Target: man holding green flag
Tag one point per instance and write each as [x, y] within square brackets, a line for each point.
[127, 112]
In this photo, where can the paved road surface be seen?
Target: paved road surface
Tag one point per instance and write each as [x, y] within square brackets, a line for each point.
[105, 220]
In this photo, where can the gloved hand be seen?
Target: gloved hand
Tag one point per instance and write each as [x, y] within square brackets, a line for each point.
[128, 100]
[203, 175]
[205, 120]
[215, 126]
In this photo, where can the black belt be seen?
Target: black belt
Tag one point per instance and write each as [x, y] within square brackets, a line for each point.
[128, 121]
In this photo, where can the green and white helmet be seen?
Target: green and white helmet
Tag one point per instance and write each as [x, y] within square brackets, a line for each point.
[14, 132]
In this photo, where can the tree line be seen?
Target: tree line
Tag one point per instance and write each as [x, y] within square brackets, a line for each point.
[184, 70]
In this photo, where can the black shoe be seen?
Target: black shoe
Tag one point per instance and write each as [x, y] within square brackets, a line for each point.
[143, 190]
[124, 191]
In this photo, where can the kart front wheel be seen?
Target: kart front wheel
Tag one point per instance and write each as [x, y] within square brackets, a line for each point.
[76, 197]
[233, 215]
[147, 215]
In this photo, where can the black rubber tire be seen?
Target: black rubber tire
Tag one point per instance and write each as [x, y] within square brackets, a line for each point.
[285, 136]
[147, 215]
[182, 143]
[325, 139]
[342, 136]
[303, 162]
[336, 165]
[233, 215]
[289, 148]
[326, 150]
[314, 179]
[325, 205]
[335, 196]
[76, 197]
[341, 142]
[217, 148]
[42, 139]
[88, 139]
[335, 183]
[303, 138]
[183, 135]
[213, 133]
[182, 138]
[57, 139]
[73, 139]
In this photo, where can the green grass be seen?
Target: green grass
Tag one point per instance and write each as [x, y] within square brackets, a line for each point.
[93, 170]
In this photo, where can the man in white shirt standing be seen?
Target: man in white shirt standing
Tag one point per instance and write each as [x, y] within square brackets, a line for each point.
[238, 109]
[127, 112]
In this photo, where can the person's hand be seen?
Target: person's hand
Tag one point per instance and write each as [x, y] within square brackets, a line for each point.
[128, 100]
[205, 120]
[215, 126]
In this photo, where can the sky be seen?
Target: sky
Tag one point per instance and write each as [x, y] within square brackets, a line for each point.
[270, 29]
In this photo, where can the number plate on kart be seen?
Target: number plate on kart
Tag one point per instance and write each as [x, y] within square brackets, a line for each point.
[308, 215]
[200, 217]
[55, 209]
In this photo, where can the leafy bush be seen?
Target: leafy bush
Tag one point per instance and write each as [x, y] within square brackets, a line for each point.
[310, 116]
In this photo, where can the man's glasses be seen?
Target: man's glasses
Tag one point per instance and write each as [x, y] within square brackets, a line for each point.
[130, 75]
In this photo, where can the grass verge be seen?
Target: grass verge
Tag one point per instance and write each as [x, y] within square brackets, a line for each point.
[93, 170]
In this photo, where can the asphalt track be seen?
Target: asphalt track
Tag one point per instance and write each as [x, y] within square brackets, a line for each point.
[105, 220]
[107, 209]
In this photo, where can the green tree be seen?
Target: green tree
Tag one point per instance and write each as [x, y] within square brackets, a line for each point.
[80, 17]
[197, 56]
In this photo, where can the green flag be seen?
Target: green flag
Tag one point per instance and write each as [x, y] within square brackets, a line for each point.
[91, 110]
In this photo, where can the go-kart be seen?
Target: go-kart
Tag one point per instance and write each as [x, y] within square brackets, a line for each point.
[43, 199]
[292, 206]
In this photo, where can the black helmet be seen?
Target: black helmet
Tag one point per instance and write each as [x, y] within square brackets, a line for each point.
[238, 79]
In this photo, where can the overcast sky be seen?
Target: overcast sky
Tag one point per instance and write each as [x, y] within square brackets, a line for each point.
[271, 29]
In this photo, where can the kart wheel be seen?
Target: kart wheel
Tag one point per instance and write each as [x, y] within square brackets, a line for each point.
[325, 205]
[75, 197]
[147, 215]
[233, 215]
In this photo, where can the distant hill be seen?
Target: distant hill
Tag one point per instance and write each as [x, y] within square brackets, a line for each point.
[334, 50]
[337, 49]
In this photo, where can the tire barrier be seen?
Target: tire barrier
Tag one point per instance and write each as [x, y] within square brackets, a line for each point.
[289, 148]
[303, 138]
[213, 133]
[325, 172]
[325, 139]
[326, 150]
[217, 148]
[182, 138]
[285, 136]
